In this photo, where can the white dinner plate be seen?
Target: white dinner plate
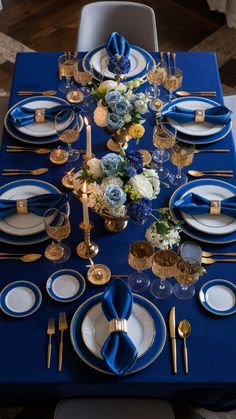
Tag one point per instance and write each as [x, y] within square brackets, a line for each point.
[219, 297]
[211, 224]
[95, 329]
[192, 128]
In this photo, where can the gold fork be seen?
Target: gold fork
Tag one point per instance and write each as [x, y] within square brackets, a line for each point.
[62, 327]
[50, 332]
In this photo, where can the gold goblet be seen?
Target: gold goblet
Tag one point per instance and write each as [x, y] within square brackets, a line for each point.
[67, 64]
[163, 265]
[181, 156]
[163, 138]
[140, 258]
[187, 273]
[173, 81]
[57, 226]
[156, 74]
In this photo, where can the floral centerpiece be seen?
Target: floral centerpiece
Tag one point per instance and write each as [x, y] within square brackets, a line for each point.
[119, 188]
[120, 112]
[164, 232]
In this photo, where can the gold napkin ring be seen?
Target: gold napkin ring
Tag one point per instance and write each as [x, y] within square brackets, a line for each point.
[39, 115]
[21, 206]
[215, 208]
[118, 325]
[199, 115]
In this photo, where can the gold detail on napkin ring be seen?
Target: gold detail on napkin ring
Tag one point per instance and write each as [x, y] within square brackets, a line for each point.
[215, 208]
[39, 115]
[21, 206]
[118, 325]
[199, 115]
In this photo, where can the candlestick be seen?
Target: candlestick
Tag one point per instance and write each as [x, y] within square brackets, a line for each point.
[84, 200]
[88, 139]
[87, 249]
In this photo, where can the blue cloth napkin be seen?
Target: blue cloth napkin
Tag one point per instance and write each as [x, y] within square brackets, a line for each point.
[195, 204]
[118, 351]
[117, 44]
[217, 115]
[22, 115]
[37, 204]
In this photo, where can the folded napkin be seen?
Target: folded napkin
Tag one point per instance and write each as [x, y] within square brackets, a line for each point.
[37, 204]
[117, 45]
[118, 351]
[215, 115]
[195, 204]
[22, 115]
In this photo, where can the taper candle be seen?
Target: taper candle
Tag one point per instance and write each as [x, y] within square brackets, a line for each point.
[85, 205]
[88, 139]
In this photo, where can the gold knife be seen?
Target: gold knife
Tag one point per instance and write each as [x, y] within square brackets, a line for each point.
[173, 339]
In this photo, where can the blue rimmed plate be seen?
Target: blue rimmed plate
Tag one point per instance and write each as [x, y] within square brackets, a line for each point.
[65, 285]
[93, 361]
[219, 297]
[205, 137]
[27, 134]
[20, 299]
[189, 230]
[98, 59]
[11, 189]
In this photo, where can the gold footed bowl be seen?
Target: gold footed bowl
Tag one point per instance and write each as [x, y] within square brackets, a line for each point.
[113, 224]
[119, 139]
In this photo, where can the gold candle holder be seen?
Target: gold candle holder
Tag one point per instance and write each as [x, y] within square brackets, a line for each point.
[87, 249]
[99, 274]
[59, 156]
[67, 180]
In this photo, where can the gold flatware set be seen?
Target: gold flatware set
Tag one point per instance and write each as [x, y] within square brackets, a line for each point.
[215, 173]
[184, 330]
[28, 257]
[210, 261]
[215, 150]
[20, 172]
[51, 330]
[36, 150]
[183, 93]
[32, 92]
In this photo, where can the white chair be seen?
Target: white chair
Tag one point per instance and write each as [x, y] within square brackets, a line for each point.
[3, 110]
[230, 102]
[121, 408]
[135, 21]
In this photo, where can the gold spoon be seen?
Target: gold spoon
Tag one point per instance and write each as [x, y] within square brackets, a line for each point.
[209, 254]
[216, 150]
[30, 150]
[210, 261]
[184, 330]
[220, 173]
[14, 172]
[30, 257]
[31, 92]
[184, 93]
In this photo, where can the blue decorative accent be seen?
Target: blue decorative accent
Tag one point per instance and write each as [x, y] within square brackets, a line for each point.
[146, 359]
[56, 275]
[11, 286]
[117, 45]
[209, 284]
[196, 204]
[219, 115]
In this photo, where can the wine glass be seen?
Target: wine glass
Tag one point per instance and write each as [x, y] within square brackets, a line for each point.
[181, 156]
[156, 75]
[140, 258]
[187, 273]
[172, 82]
[67, 63]
[68, 126]
[163, 265]
[163, 138]
[191, 250]
[57, 226]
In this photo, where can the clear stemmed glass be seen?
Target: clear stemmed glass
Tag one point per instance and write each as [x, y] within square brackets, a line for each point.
[68, 126]
[187, 273]
[67, 64]
[140, 258]
[172, 82]
[57, 226]
[156, 75]
[163, 265]
[181, 156]
[163, 138]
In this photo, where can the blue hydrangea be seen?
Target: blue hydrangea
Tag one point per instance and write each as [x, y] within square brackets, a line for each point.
[114, 121]
[113, 96]
[129, 170]
[119, 64]
[140, 211]
[134, 158]
[114, 196]
[110, 164]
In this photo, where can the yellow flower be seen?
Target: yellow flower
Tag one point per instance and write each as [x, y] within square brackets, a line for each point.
[136, 131]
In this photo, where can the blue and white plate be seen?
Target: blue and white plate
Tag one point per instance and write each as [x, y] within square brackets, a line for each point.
[207, 135]
[95, 362]
[28, 134]
[219, 297]
[98, 59]
[20, 299]
[19, 223]
[65, 285]
[189, 230]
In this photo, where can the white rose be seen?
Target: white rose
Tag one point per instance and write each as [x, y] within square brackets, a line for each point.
[95, 169]
[107, 85]
[127, 118]
[141, 106]
[153, 177]
[142, 185]
[100, 115]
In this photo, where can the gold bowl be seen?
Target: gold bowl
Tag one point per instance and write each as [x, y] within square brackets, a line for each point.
[113, 224]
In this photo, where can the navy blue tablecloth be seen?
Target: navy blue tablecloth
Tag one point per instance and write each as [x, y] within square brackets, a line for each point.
[212, 345]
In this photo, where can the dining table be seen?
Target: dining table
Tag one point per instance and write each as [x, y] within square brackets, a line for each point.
[24, 376]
